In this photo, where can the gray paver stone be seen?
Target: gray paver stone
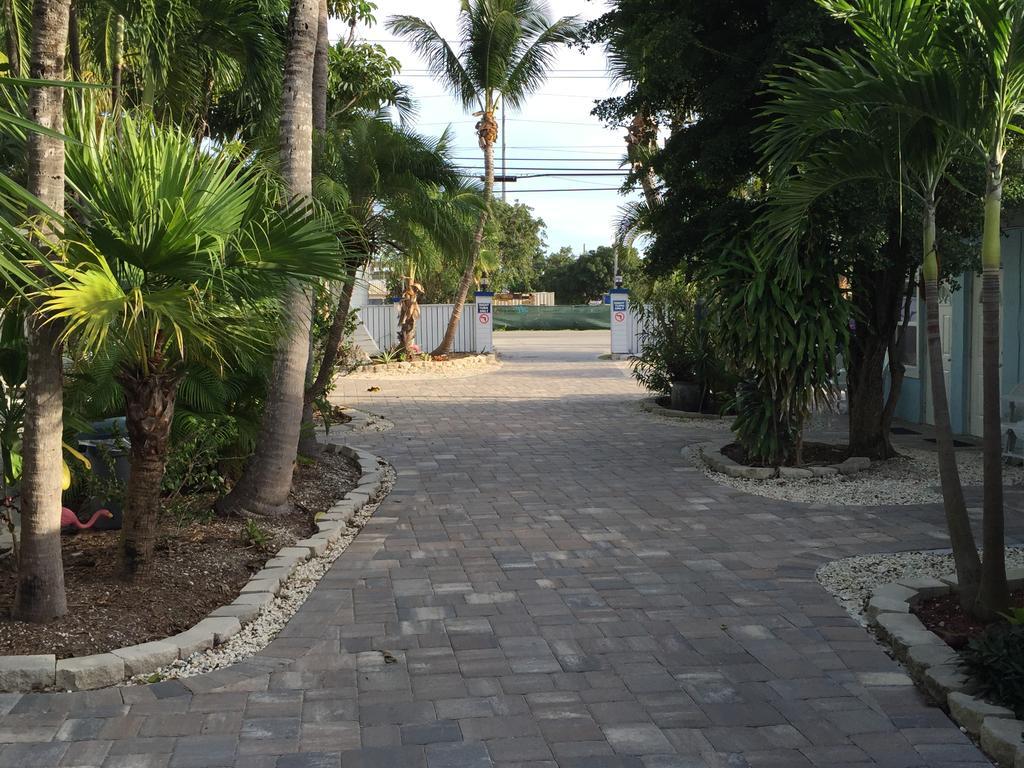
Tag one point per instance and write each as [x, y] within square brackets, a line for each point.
[145, 657]
[971, 712]
[824, 471]
[86, 673]
[316, 545]
[894, 592]
[1001, 738]
[795, 473]
[919, 658]
[261, 585]
[941, 680]
[1015, 577]
[926, 587]
[853, 465]
[27, 673]
[905, 631]
[879, 605]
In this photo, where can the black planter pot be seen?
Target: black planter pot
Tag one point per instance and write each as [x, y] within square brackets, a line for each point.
[686, 396]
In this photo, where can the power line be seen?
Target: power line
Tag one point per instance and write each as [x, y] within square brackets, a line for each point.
[554, 175]
[568, 189]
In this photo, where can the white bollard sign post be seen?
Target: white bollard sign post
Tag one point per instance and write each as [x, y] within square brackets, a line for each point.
[619, 302]
[484, 322]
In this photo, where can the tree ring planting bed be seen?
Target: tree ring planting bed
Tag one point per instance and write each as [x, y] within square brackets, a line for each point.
[300, 560]
[934, 664]
[910, 478]
[725, 459]
[459, 364]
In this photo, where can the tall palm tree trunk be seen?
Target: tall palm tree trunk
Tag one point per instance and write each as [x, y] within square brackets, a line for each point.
[264, 486]
[332, 345]
[488, 132]
[961, 538]
[308, 445]
[149, 411]
[643, 134]
[40, 595]
[994, 597]
[117, 66]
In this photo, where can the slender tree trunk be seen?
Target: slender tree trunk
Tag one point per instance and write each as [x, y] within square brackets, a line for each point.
[408, 314]
[897, 370]
[264, 486]
[643, 135]
[149, 411]
[332, 346]
[203, 119]
[39, 595]
[12, 41]
[466, 281]
[961, 538]
[117, 68]
[308, 445]
[75, 44]
[320, 69]
[994, 596]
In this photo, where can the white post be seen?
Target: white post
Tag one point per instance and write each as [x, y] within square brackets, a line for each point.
[484, 334]
[619, 301]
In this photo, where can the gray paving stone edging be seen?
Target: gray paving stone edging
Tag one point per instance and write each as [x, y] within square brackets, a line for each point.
[651, 405]
[711, 454]
[934, 666]
[23, 673]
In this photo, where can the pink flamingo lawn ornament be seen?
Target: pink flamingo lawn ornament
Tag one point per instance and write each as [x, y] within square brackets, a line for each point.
[69, 519]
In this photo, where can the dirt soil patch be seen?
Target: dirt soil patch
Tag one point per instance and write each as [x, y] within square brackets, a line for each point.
[944, 616]
[814, 454]
[201, 564]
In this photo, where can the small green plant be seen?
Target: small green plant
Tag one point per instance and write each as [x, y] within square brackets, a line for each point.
[1014, 616]
[994, 663]
[253, 535]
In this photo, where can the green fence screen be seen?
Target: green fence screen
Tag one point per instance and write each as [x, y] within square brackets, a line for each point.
[583, 318]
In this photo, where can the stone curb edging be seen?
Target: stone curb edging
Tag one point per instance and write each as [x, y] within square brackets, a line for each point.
[361, 421]
[45, 672]
[651, 405]
[934, 666]
[717, 461]
[410, 366]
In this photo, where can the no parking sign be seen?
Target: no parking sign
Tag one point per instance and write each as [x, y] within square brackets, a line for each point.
[620, 321]
[484, 324]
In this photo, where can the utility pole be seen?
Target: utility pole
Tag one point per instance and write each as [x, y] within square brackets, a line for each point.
[504, 171]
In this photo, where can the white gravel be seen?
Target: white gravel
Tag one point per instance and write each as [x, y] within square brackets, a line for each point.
[912, 478]
[852, 579]
[258, 634]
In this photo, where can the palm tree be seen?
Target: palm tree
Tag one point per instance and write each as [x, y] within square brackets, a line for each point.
[840, 118]
[181, 256]
[267, 480]
[379, 181]
[40, 594]
[988, 36]
[506, 48]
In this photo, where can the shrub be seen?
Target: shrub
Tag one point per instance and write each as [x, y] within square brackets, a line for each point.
[994, 661]
[680, 342]
[783, 325]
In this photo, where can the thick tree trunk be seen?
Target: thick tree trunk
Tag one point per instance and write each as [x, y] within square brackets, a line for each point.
[878, 295]
[961, 538]
[264, 487]
[39, 595]
[478, 240]
[897, 370]
[149, 411]
[994, 596]
[408, 314]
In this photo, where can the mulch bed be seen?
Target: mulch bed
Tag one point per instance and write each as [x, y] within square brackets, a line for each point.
[201, 564]
[813, 454]
[944, 616]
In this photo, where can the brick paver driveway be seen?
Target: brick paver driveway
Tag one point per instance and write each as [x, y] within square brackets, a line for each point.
[553, 586]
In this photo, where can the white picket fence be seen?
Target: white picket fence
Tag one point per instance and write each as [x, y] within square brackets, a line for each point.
[637, 331]
[381, 321]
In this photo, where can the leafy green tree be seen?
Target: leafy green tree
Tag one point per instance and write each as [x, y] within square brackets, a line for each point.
[518, 241]
[181, 262]
[505, 49]
[589, 276]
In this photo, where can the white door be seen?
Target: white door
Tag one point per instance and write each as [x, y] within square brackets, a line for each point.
[946, 337]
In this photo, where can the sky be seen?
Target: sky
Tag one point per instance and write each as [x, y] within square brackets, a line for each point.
[555, 131]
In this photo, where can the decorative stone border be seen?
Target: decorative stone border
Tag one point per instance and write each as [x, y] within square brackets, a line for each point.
[45, 671]
[935, 668]
[428, 366]
[712, 455]
[651, 405]
[361, 421]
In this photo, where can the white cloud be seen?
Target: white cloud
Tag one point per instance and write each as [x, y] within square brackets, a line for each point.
[555, 125]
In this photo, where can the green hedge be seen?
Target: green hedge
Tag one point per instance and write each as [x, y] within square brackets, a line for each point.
[583, 318]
